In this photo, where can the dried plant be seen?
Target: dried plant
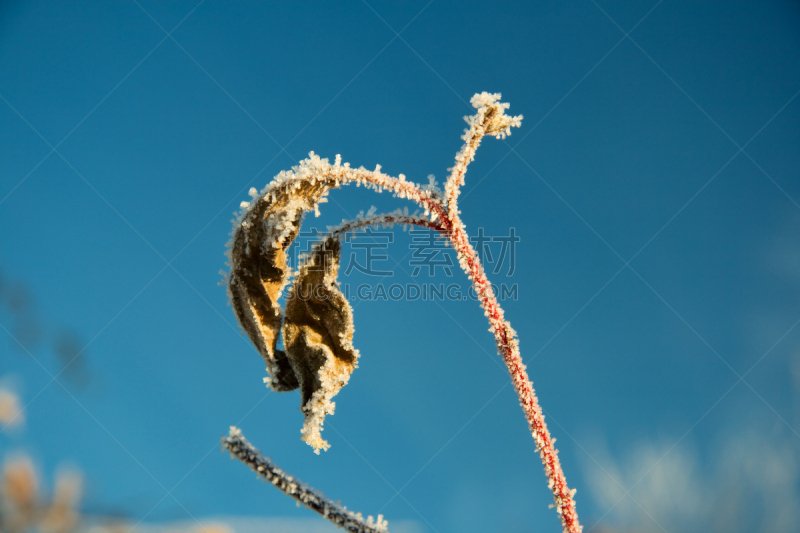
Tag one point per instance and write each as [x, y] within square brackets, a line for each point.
[317, 325]
[10, 413]
[23, 508]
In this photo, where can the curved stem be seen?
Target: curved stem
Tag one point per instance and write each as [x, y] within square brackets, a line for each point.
[376, 220]
[507, 344]
[386, 218]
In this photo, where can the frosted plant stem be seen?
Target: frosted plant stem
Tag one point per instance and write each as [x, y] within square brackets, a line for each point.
[294, 488]
[508, 348]
[450, 225]
[388, 219]
[490, 120]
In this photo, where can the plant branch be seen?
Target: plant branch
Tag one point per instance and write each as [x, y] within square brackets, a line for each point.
[489, 120]
[241, 449]
[386, 219]
[451, 226]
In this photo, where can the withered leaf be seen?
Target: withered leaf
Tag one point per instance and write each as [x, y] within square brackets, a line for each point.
[318, 335]
[259, 270]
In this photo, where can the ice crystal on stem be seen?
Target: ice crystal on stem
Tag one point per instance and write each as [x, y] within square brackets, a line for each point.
[318, 329]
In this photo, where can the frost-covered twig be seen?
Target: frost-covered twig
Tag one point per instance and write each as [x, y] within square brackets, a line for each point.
[384, 220]
[489, 120]
[318, 331]
[294, 488]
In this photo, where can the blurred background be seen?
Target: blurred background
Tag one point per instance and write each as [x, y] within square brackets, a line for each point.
[653, 279]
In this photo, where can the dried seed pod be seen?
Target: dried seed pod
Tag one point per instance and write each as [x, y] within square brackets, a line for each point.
[259, 271]
[318, 335]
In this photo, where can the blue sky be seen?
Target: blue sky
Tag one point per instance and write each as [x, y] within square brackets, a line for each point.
[654, 185]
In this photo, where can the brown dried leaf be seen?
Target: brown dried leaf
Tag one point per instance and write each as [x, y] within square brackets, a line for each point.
[318, 335]
[259, 270]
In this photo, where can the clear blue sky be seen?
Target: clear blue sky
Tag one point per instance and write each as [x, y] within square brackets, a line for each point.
[654, 186]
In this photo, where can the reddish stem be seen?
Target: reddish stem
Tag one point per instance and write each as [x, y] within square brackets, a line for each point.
[450, 225]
